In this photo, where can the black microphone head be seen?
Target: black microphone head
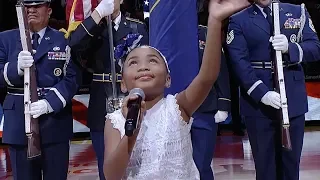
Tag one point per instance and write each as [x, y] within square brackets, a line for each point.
[138, 92]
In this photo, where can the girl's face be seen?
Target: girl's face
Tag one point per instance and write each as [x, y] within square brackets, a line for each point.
[144, 68]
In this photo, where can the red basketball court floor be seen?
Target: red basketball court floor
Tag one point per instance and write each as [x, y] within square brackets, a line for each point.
[232, 161]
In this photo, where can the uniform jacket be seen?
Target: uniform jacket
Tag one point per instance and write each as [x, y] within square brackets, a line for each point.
[56, 80]
[248, 43]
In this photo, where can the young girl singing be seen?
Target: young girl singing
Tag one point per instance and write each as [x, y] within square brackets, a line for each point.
[161, 148]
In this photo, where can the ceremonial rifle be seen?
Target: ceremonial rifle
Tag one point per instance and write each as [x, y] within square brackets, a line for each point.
[30, 86]
[280, 83]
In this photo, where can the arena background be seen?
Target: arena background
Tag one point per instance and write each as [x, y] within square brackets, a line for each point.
[133, 8]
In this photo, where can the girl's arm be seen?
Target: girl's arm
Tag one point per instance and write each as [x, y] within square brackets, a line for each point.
[190, 99]
[117, 152]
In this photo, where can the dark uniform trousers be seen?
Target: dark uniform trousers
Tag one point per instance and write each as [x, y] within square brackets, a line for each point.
[204, 128]
[52, 165]
[249, 50]
[90, 42]
[57, 84]
[265, 140]
[203, 136]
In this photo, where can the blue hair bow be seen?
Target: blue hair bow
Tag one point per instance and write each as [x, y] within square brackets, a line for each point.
[130, 42]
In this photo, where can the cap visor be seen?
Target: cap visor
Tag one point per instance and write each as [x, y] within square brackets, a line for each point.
[34, 3]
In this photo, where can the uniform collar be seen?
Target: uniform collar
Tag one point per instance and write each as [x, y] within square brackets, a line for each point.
[41, 34]
[261, 9]
[117, 21]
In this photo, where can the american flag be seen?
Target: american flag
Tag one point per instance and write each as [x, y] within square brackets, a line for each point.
[146, 9]
[77, 11]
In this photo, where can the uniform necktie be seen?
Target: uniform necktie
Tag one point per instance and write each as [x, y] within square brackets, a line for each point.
[267, 10]
[35, 40]
[114, 26]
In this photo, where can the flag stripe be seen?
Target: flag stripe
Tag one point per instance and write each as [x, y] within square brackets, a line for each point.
[78, 12]
[71, 17]
[86, 9]
[94, 4]
[68, 11]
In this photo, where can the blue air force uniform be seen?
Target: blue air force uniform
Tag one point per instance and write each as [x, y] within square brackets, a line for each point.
[249, 50]
[91, 44]
[56, 80]
[204, 128]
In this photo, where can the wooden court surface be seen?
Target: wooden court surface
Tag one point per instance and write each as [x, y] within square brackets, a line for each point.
[232, 159]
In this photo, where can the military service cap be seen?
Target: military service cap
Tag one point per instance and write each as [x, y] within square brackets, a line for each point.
[35, 2]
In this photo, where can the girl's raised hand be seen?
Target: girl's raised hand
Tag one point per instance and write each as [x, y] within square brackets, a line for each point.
[221, 9]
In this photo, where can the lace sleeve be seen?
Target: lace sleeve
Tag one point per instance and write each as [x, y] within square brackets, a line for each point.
[117, 121]
[175, 111]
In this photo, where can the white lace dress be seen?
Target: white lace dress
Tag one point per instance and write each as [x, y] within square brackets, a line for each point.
[163, 150]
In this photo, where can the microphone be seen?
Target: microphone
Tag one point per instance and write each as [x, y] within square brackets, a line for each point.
[133, 111]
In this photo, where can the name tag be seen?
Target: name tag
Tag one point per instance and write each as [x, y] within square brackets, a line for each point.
[58, 56]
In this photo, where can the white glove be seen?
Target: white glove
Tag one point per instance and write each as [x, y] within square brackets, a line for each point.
[25, 60]
[39, 108]
[105, 8]
[272, 98]
[220, 116]
[280, 43]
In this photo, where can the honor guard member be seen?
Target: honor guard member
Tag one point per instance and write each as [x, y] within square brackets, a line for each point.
[91, 41]
[56, 80]
[212, 111]
[249, 43]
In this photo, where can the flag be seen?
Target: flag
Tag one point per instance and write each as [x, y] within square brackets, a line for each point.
[76, 12]
[146, 13]
[313, 93]
[174, 31]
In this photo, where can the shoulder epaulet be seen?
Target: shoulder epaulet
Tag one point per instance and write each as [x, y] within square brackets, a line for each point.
[134, 20]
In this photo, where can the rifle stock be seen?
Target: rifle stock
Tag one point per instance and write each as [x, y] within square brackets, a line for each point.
[280, 83]
[30, 87]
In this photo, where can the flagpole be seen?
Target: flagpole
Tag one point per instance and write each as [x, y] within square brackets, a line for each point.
[115, 99]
